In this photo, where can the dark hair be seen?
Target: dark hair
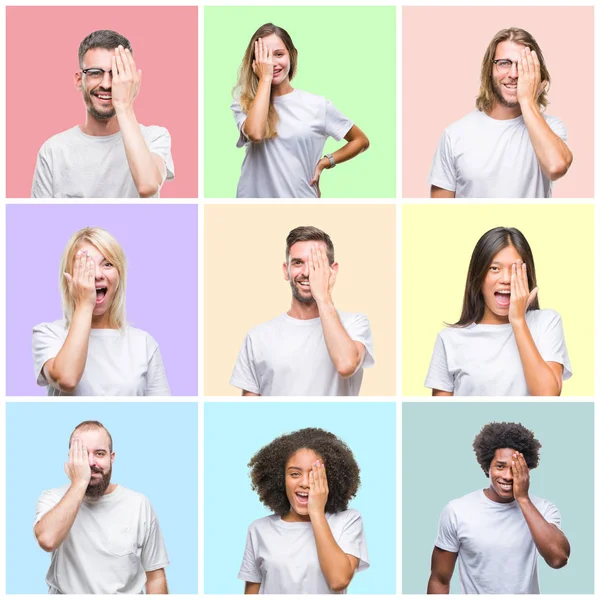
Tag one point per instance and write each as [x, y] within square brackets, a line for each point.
[91, 425]
[505, 435]
[308, 233]
[489, 244]
[267, 469]
[103, 38]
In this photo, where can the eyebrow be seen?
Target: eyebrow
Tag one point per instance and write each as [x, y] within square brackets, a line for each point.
[294, 468]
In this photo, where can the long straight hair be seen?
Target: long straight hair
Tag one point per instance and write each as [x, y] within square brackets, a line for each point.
[486, 248]
[247, 83]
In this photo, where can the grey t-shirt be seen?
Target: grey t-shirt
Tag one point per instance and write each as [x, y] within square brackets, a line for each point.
[282, 167]
[72, 164]
[496, 551]
[482, 157]
[283, 557]
[289, 357]
[113, 542]
[483, 360]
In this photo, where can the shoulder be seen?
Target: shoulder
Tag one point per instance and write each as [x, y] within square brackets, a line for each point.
[61, 139]
[451, 332]
[304, 96]
[140, 334]
[350, 318]
[54, 494]
[543, 316]
[268, 327]
[465, 502]
[133, 497]
[553, 121]
[154, 132]
[348, 516]
[56, 328]
[263, 523]
[469, 121]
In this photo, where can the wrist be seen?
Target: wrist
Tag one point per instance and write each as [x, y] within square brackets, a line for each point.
[324, 301]
[523, 499]
[124, 111]
[324, 163]
[518, 323]
[80, 485]
[529, 107]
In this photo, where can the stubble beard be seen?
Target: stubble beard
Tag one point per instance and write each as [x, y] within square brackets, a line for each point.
[497, 89]
[96, 490]
[92, 110]
[308, 300]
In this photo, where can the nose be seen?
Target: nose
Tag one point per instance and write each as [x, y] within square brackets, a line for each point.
[305, 269]
[505, 275]
[106, 80]
[91, 459]
[514, 70]
[305, 483]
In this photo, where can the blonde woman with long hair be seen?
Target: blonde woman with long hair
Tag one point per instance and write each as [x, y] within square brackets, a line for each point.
[92, 351]
[284, 129]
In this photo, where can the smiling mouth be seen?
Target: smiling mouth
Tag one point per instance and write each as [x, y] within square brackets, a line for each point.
[102, 96]
[502, 298]
[305, 284]
[506, 487]
[302, 497]
[100, 294]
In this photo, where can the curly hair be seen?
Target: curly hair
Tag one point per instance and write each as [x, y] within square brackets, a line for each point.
[505, 435]
[267, 468]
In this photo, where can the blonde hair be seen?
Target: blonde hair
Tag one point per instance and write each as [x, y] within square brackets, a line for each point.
[108, 246]
[247, 83]
[486, 99]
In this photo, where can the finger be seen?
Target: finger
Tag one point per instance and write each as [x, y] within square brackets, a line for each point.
[90, 271]
[124, 62]
[525, 283]
[311, 481]
[130, 60]
[323, 474]
[532, 296]
[260, 50]
[82, 266]
[68, 278]
[520, 70]
[270, 55]
[319, 257]
[311, 264]
[513, 284]
[115, 70]
[119, 62]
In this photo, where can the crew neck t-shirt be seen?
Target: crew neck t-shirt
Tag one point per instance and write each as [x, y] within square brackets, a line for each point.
[483, 360]
[283, 558]
[496, 551]
[113, 542]
[282, 167]
[481, 157]
[73, 164]
[288, 357]
[120, 362]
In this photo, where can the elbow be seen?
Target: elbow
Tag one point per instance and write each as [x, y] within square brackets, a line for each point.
[339, 585]
[558, 562]
[365, 144]
[254, 137]
[46, 544]
[560, 168]
[147, 190]
[346, 370]
[65, 383]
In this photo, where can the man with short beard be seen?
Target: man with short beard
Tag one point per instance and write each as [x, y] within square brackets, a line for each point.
[112, 155]
[104, 538]
[507, 147]
[313, 349]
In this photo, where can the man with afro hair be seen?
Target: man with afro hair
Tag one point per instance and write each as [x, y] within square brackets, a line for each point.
[497, 533]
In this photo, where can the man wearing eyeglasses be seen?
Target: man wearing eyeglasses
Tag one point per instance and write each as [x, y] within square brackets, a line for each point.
[507, 147]
[112, 155]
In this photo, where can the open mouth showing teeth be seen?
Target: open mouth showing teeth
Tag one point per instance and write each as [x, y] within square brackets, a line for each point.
[302, 497]
[103, 96]
[502, 297]
[304, 284]
[506, 486]
[100, 294]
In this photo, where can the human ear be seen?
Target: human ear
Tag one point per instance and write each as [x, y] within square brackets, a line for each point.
[286, 273]
[335, 267]
[77, 80]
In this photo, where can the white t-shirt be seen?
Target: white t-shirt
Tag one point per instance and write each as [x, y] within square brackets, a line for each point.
[288, 357]
[73, 164]
[496, 551]
[483, 360]
[283, 557]
[282, 167]
[120, 362]
[113, 542]
[481, 157]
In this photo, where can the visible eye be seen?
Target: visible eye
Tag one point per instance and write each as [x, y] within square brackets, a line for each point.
[107, 264]
[494, 268]
[297, 262]
[279, 54]
[295, 474]
[504, 64]
[94, 72]
[99, 453]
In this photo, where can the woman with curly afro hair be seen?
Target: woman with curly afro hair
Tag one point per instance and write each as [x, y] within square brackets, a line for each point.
[497, 533]
[313, 543]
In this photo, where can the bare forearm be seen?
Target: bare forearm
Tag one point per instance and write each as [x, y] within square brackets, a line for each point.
[552, 153]
[255, 124]
[435, 586]
[67, 367]
[541, 380]
[54, 526]
[549, 539]
[157, 584]
[332, 559]
[144, 170]
[342, 350]
[348, 151]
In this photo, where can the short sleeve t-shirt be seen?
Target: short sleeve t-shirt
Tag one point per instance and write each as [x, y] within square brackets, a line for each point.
[496, 552]
[483, 360]
[481, 157]
[282, 167]
[288, 357]
[120, 362]
[283, 557]
[73, 164]
[113, 542]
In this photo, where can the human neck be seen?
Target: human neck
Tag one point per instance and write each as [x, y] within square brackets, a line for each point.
[504, 113]
[495, 497]
[100, 127]
[302, 311]
[282, 89]
[491, 318]
[294, 517]
[101, 322]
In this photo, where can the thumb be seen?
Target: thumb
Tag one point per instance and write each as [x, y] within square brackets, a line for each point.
[68, 278]
[532, 296]
[66, 470]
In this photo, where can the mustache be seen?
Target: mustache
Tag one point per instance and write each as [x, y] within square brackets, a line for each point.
[96, 470]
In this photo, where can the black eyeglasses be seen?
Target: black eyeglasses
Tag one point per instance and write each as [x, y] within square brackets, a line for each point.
[504, 64]
[96, 74]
